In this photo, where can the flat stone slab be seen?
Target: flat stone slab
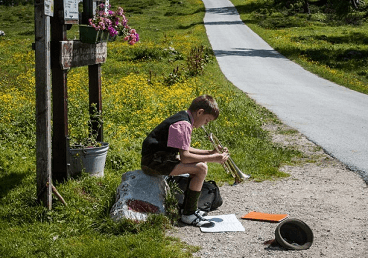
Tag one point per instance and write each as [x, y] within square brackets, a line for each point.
[139, 195]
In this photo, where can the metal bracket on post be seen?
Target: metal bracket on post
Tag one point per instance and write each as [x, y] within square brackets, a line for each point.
[71, 11]
[49, 8]
[107, 3]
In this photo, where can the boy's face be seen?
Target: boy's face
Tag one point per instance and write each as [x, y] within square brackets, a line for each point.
[200, 118]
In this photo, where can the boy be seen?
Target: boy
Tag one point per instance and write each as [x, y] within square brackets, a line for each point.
[173, 136]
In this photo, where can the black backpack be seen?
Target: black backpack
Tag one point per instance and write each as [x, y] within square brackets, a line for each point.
[210, 198]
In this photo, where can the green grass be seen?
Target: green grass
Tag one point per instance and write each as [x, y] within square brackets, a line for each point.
[142, 84]
[333, 47]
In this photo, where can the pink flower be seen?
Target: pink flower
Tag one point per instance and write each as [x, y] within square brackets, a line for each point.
[120, 11]
[112, 32]
[113, 22]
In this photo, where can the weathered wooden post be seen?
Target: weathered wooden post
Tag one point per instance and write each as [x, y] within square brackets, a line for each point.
[94, 70]
[94, 73]
[68, 54]
[89, 8]
[66, 14]
[43, 11]
[56, 57]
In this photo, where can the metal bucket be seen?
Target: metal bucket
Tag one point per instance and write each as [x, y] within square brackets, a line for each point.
[89, 160]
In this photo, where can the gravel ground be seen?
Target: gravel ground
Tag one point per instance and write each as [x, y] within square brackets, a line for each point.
[326, 195]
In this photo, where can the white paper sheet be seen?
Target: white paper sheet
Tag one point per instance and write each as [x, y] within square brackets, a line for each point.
[223, 223]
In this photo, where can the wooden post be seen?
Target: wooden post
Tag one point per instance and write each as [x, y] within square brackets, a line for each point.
[95, 97]
[43, 103]
[60, 96]
[94, 71]
[65, 55]
[60, 55]
[88, 10]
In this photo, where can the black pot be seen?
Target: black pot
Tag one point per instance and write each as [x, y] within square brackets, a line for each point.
[294, 234]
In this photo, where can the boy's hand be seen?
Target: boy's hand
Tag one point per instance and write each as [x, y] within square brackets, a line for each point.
[224, 150]
[222, 157]
[221, 149]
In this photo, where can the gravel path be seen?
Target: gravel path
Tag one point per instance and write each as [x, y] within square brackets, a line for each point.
[326, 195]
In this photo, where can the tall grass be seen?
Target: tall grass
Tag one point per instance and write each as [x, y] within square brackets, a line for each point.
[136, 96]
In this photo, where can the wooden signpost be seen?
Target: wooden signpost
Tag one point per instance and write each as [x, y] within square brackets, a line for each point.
[55, 57]
[43, 11]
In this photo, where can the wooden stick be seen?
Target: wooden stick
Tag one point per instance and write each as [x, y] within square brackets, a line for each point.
[58, 195]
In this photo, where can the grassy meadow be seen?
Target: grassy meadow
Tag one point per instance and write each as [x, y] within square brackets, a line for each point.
[141, 85]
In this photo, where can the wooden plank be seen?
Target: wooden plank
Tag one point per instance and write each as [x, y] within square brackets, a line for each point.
[75, 53]
[43, 104]
[60, 98]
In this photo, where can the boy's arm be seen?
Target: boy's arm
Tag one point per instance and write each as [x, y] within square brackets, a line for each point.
[186, 156]
[205, 152]
[201, 152]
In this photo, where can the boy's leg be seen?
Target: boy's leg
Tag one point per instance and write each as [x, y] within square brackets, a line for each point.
[188, 200]
[186, 193]
[198, 172]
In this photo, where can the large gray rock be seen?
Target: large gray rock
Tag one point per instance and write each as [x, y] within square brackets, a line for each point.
[139, 195]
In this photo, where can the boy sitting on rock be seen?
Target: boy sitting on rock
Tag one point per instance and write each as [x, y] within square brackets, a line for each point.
[173, 136]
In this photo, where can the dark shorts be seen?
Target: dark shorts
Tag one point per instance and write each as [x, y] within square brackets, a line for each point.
[159, 163]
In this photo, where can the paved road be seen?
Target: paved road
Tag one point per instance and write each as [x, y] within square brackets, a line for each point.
[332, 116]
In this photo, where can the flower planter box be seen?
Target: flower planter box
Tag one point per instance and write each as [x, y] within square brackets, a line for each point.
[90, 160]
[88, 34]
